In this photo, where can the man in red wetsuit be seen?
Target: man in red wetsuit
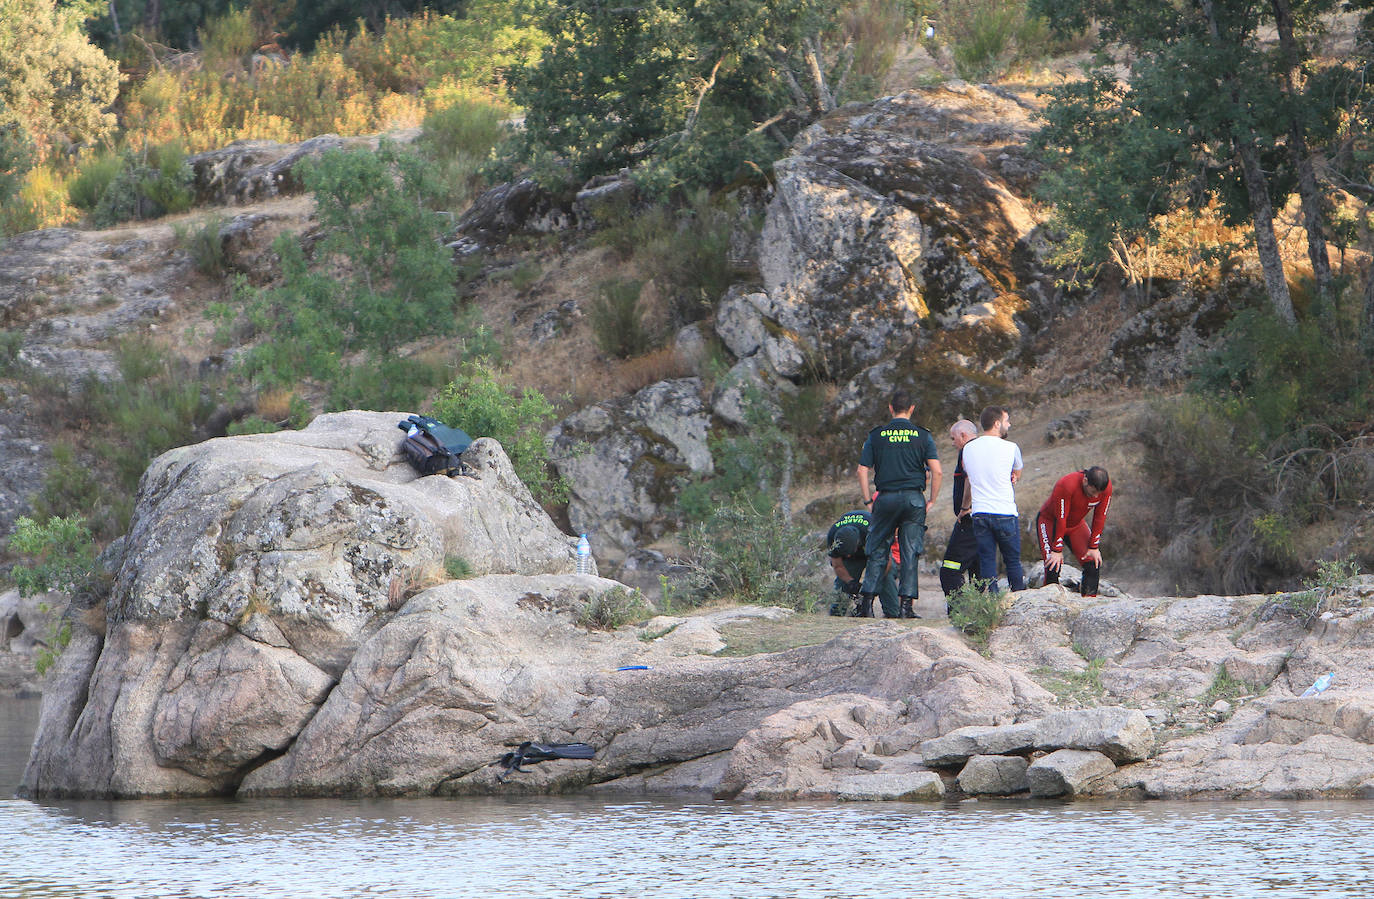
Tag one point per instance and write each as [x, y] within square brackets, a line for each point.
[1064, 517]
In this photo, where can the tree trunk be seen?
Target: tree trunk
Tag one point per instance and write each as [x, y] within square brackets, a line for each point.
[1256, 190]
[152, 19]
[1308, 191]
[1369, 302]
[1266, 241]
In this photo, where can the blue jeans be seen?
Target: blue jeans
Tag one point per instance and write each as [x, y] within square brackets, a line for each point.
[1002, 532]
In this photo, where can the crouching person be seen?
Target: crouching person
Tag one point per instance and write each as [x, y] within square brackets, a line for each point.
[1063, 518]
[846, 540]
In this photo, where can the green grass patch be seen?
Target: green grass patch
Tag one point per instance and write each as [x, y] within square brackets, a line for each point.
[1080, 689]
[976, 614]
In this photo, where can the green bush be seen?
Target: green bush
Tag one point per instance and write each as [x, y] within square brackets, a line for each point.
[253, 424]
[617, 320]
[752, 466]
[468, 126]
[613, 608]
[746, 551]
[155, 404]
[154, 183]
[458, 568]
[73, 486]
[457, 140]
[11, 344]
[1332, 577]
[478, 403]
[227, 39]
[58, 554]
[204, 245]
[380, 277]
[391, 382]
[976, 614]
[92, 179]
[1266, 446]
[984, 46]
[684, 249]
[17, 154]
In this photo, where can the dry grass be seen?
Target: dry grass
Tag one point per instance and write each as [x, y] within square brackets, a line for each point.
[275, 405]
[94, 619]
[412, 580]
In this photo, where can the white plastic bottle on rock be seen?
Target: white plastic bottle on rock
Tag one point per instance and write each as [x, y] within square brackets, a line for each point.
[584, 556]
[1320, 684]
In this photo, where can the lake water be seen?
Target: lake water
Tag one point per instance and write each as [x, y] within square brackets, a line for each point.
[574, 847]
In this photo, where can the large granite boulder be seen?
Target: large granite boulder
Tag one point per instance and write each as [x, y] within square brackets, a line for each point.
[883, 224]
[624, 459]
[254, 568]
[249, 171]
[465, 674]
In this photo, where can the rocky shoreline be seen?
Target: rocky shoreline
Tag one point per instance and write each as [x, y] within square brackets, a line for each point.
[280, 626]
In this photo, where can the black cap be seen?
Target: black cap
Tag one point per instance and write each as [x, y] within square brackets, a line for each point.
[846, 542]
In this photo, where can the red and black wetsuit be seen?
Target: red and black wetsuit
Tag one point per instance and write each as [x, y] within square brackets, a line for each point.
[1063, 517]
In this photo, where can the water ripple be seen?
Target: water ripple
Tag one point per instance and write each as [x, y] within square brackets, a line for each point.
[583, 848]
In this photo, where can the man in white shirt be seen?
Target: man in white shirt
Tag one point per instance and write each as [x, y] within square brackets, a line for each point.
[993, 466]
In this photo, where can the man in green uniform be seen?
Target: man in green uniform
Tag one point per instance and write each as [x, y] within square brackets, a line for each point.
[847, 541]
[900, 457]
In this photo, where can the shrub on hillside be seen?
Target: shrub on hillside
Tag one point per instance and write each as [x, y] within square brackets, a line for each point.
[94, 174]
[379, 276]
[684, 248]
[1270, 452]
[747, 551]
[17, 154]
[150, 184]
[753, 465]
[617, 320]
[478, 403]
[52, 79]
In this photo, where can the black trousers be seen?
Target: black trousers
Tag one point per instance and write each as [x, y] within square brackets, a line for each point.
[961, 556]
[900, 512]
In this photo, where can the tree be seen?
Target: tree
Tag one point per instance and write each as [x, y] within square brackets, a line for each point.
[16, 154]
[1210, 111]
[379, 277]
[692, 91]
[53, 81]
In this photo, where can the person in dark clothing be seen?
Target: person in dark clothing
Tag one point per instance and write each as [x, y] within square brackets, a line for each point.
[961, 554]
[847, 541]
[901, 459]
[1063, 518]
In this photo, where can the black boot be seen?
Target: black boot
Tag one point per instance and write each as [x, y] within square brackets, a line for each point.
[907, 610]
[865, 607]
[1091, 576]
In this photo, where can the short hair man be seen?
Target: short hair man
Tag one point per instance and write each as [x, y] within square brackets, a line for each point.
[1063, 517]
[993, 466]
[961, 553]
[901, 459]
[847, 541]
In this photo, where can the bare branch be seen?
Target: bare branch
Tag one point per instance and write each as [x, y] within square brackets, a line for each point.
[701, 95]
[845, 66]
[822, 102]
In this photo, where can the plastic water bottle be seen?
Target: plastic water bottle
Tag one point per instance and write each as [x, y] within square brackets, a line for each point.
[1320, 684]
[584, 556]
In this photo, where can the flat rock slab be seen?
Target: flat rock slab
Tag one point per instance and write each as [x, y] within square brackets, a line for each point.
[1067, 772]
[1123, 735]
[958, 746]
[994, 775]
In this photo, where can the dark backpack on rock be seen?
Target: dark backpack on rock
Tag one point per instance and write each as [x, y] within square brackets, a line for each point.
[529, 753]
[432, 446]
